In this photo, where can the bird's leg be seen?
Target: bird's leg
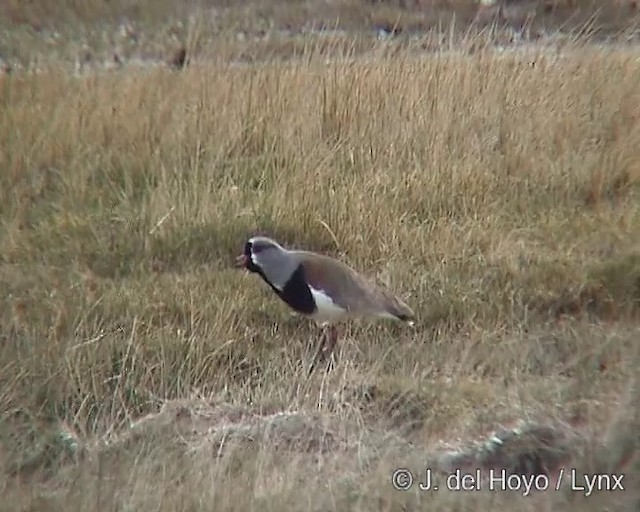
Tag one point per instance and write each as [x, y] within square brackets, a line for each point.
[331, 340]
[326, 346]
[319, 351]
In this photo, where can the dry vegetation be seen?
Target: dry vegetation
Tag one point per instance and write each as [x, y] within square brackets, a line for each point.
[499, 196]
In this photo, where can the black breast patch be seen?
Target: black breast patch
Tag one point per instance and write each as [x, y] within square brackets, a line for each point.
[296, 293]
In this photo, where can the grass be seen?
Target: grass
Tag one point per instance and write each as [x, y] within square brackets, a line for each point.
[500, 199]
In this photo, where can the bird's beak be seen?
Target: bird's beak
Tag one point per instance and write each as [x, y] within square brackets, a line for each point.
[241, 261]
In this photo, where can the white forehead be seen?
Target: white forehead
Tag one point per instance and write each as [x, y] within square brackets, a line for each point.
[254, 239]
[263, 241]
[259, 244]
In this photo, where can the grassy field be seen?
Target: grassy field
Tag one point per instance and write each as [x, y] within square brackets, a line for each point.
[499, 196]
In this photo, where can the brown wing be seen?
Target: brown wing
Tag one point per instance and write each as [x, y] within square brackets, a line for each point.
[350, 290]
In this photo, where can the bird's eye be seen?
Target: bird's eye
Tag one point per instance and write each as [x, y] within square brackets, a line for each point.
[257, 247]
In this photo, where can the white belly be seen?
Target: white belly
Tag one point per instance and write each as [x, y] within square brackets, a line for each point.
[328, 311]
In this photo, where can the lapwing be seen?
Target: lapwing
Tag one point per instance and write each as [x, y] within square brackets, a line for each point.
[321, 288]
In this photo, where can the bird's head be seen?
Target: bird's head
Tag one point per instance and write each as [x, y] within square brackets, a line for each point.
[269, 259]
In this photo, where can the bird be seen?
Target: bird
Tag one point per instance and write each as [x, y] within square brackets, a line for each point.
[321, 288]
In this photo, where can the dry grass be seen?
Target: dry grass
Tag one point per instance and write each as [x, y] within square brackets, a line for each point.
[499, 199]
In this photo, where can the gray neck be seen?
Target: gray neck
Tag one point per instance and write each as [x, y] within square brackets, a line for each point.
[277, 265]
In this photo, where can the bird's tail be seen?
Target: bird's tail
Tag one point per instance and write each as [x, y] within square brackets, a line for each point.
[403, 312]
